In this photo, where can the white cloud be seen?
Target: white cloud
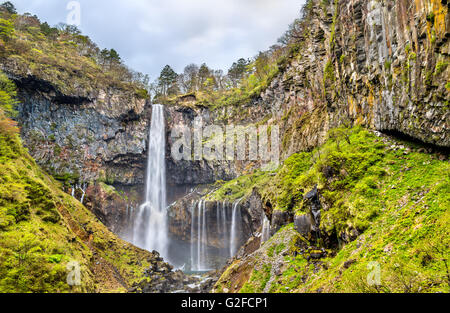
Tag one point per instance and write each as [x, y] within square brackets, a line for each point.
[151, 33]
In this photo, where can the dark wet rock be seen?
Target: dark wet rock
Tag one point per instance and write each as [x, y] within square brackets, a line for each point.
[304, 224]
[313, 201]
[279, 219]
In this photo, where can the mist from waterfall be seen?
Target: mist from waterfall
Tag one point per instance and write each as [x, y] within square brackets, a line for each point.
[150, 224]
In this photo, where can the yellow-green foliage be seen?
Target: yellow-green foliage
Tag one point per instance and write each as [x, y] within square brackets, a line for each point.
[7, 95]
[42, 229]
[65, 58]
[397, 198]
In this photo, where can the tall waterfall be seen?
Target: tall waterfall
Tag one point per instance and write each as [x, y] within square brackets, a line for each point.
[150, 227]
[235, 225]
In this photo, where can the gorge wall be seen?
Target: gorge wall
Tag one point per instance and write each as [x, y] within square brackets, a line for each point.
[380, 64]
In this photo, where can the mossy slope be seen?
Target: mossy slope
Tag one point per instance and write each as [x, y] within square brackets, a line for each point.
[385, 214]
[42, 230]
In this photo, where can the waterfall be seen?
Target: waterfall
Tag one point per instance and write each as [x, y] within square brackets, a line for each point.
[83, 190]
[150, 227]
[199, 235]
[192, 236]
[265, 229]
[235, 223]
[204, 238]
[228, 229]
[224, 224]
[199, 255]
[218, 218]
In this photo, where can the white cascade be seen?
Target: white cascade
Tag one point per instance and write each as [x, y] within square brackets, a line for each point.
[199, 253]
[265, 234]
[235, 224]
[150, 227]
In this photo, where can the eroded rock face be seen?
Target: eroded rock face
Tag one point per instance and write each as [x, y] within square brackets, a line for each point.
[194, 172]
[381, 64]
[308, 225]
[217, 217]
[160, 277]
[99, 136]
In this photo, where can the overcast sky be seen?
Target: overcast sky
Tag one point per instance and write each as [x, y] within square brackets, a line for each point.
[149, 34]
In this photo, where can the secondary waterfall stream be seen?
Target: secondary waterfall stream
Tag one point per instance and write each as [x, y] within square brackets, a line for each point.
[227, 227]
[150, 225]
[265, 234]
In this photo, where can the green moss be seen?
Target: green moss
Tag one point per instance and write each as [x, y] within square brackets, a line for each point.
[440, 67]
[258, 280]
[328, 73]
[397, 199]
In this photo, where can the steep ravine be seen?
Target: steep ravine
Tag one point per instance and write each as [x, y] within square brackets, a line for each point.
[383, 65]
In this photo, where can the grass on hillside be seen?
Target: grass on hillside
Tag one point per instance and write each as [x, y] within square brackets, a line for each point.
[393, 197]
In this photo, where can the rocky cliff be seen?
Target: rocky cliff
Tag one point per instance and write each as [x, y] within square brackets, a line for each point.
[86, 136]
[380, 64]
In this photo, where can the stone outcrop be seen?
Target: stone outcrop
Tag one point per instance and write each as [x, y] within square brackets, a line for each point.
[308, 225]
[381, 64]
[96, 136]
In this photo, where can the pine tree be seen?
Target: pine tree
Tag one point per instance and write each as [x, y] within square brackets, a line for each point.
[168, 81]
[8, 7]
[237, 71]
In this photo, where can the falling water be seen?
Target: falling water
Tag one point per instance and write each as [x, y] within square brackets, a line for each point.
[235, 223]
[150, 229]
[265, 229]
[199, 255]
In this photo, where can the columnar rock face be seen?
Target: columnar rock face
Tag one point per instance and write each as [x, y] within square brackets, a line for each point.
[382, 64]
